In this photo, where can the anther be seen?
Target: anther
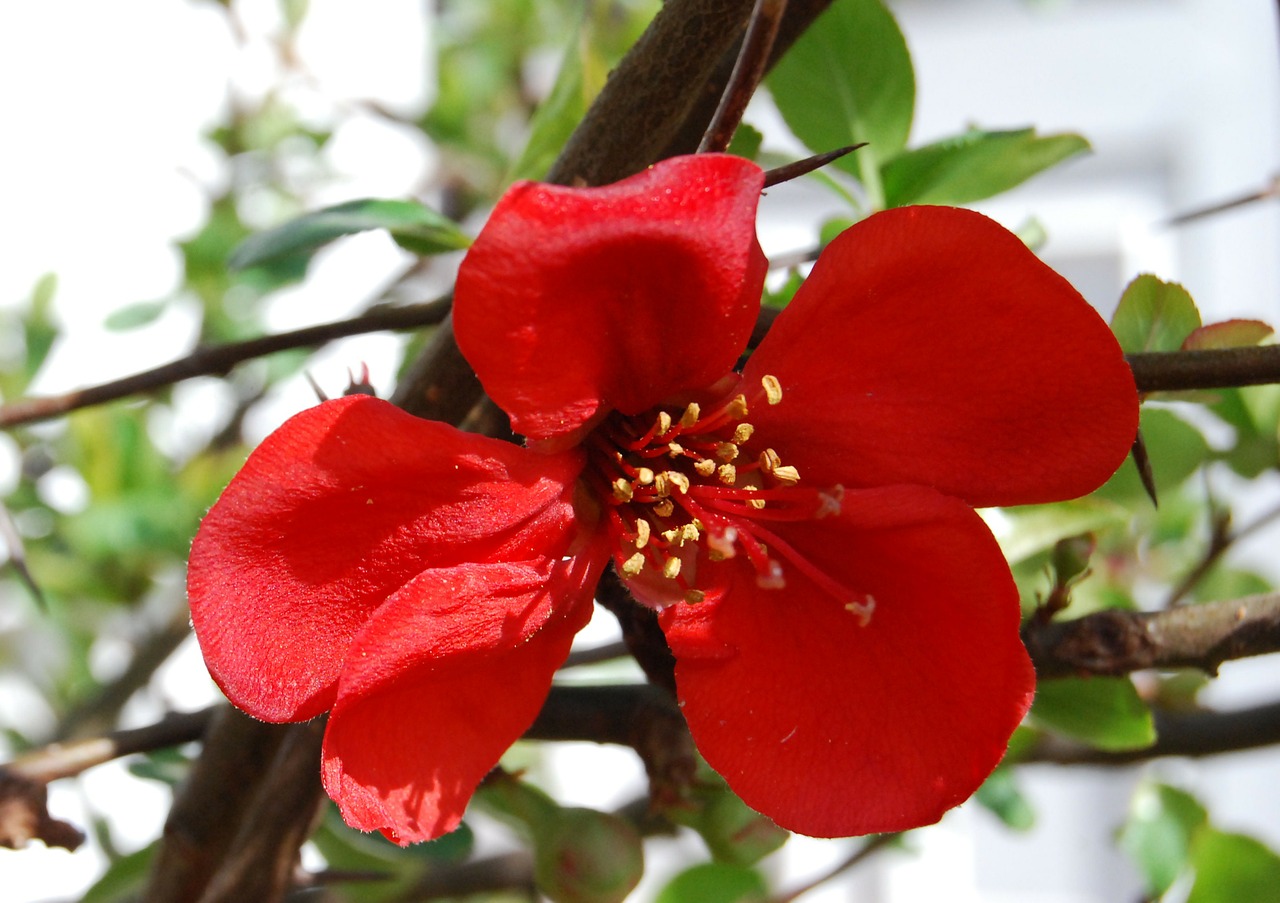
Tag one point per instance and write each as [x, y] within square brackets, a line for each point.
[742, 432]
[664, 424]
[727, 474]
[786, 475]
[694, 596]
[772, 388]
[671, 568]
[769, 460]
[690, 415]
[642, 533]
[622, 490]
[737, 408]
[726, 451]
[677, 479]
[663, 508]
[675, 449]
[644, 476]
[720, 543]
[862, 610]
[633, 565]
[705, 467]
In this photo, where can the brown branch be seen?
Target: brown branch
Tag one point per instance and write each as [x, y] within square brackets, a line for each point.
[211, 806]
[64, 760]
[747, 72]
[1191, 636]
[216, 360]
[1219, 368]
[1192, 734]
[864, 852]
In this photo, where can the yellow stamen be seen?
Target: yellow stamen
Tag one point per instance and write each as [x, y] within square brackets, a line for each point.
[742, 432]
[772, 388]
[727, 474]
[622, 489]
[690, 415]
[671, 568]
[705, 468]
[642, 533]
[633, 565]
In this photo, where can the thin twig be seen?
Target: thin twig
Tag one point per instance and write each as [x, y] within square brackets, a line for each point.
[1221, 539]
[1270, 190]
[1191, 636]
[803, 167]
[218, 359]
[746, 75]
[861, 854]
[1218, 368]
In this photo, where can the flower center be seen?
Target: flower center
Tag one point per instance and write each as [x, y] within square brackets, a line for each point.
[681, 486]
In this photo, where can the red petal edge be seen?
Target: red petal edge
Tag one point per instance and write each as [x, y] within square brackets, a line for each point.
[833, 728]
[573, 301]
[338, 509]
[448, 674]
[929, 345]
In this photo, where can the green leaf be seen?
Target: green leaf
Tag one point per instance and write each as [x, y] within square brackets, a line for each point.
[582, 75]
[1037, 528]
[125, 879]
[714, 882]
[746, 142]
[1228, 334]
[1001, 796]
[849, 79]
[414, 227]
[1162, 822]
[1154, 315]
[1232, 868]
[973, 166]
[1105, 712]
[38, 326]
[134, 316]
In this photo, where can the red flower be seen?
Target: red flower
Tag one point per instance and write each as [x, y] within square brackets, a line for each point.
[845, 628]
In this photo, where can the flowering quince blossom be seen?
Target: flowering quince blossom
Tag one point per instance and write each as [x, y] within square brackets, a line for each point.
[844, 626]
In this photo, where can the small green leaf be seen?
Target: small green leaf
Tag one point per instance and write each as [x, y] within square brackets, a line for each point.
[973, 166]
[746, 142]
[1105, 712]
[714, 882]
[1227, 334]
[414, 226]
[125, 879]
[1154, 315]
[1232, 868]
[1001, 796]
[1162, 822]
[849, 79]
[134, 316]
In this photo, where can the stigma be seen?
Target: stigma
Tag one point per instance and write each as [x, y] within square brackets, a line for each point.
[694, 484]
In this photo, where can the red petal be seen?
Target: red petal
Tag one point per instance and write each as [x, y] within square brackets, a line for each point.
[930, 346]
[334, 512]
[576, 300]
[443, 680]
[832, 728]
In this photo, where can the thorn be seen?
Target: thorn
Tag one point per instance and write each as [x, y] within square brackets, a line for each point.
[1143, 462]
[18, 555]
[315, 386]
[807, 165]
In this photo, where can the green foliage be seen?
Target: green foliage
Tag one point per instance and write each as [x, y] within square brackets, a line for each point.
[286, 249]
[1177, 450]
[847, 80]
[1162, 823]
[734, 833]
[1105, 712]
[715, 882]
[1231, 868]
[124, 879]
[1154, 315]
[1001, 796]
[973, 166]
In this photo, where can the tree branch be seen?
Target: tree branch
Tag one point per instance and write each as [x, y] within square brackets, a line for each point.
[216, 360]
[1191, 636]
